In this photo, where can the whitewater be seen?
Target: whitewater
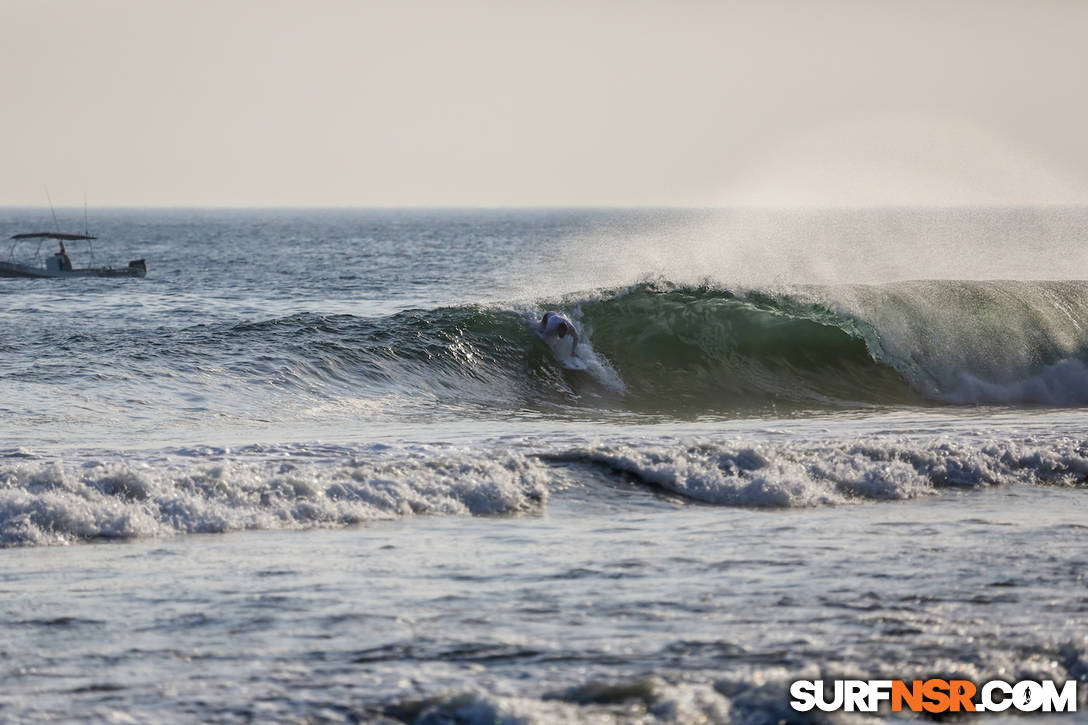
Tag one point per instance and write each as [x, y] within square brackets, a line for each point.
[320, 466]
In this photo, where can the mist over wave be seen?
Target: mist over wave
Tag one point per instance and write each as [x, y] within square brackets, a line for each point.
[761, 248]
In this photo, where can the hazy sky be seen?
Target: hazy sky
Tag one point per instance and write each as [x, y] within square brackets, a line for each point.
[416, 102]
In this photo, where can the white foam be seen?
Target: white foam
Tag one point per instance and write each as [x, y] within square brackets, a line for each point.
[741, 691]
[315, 485]
[761, 476]
[480, 708]
[1065, 383]
[598, 703]
[779, 475]
[59, 503]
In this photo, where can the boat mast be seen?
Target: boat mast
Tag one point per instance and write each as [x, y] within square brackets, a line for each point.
[56, 225]
[86, 231]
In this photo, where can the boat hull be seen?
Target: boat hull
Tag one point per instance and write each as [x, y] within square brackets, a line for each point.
[14, 269]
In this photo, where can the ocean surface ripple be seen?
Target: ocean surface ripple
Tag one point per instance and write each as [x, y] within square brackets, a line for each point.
[319, 466]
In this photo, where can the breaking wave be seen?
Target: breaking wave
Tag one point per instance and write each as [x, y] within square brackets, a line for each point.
[298, 486]
[662, 349]
[655, 348]
[201, 492]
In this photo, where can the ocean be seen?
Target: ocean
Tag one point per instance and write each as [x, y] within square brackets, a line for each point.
[319, 466]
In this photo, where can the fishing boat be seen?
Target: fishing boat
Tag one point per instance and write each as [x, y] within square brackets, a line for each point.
[59, 264]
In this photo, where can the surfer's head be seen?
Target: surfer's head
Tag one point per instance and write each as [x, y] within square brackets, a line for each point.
[561, 329]
[544, 319]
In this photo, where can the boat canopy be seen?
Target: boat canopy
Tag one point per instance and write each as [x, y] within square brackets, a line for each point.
[53, 235]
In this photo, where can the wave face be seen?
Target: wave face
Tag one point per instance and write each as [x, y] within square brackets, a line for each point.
[653, 349]
[673, 351]
[702, 349]
[662, 349]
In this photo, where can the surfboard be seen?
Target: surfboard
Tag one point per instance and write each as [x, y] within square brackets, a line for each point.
[573, 363]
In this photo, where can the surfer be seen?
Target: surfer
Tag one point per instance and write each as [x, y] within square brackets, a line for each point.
[553, 326]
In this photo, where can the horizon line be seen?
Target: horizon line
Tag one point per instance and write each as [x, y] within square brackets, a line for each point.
[552, 207]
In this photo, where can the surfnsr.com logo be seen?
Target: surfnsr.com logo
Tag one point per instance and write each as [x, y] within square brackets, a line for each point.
[933, 696]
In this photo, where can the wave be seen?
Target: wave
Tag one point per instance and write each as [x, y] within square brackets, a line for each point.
[659, 348]
[654, 348]
[706, 349]
[299, 486]
[49, 503]
[744, 688]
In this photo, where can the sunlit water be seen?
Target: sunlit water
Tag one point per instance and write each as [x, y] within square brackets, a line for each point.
[319, 467]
